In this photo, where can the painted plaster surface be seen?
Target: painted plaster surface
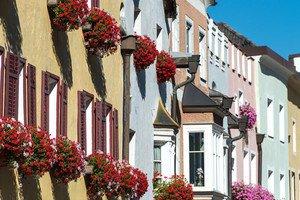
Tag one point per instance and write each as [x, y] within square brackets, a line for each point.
[274, 152]
[25, 29]
[144, 90]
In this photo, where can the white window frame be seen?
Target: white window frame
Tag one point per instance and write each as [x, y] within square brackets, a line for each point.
[238, 61]
[281, 123]
[249, 69]
[90, 4]
[108, 132]
[163, 138]
[137, 29]
[282, 186]
[189, 35]
[53, 111]
[132, 144]
[253, 167]
[159, 40]
[21, 96]
[202, 53]
[175, 32]
[89, 128]
[246, 159]
[294, 135]
[233, 56]
[270, 117]
[270, 180]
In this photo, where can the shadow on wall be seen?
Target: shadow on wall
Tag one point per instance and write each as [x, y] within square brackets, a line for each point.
[163, 92]
[96, 71]
[141, 79]
[11, 24]
[8, 183]
[60, 190]
[63, 56]
[31, 188]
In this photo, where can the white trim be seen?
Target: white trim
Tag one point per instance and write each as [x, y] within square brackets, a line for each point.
[21, 95]
[108, 133]
[89, 132]
[53, 104]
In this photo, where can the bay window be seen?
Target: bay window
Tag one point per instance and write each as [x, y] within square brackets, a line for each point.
[196, 158]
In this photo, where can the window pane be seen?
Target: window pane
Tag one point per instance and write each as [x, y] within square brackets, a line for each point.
[196, 142]
[157, 167]
[157, 153]
[197, 169]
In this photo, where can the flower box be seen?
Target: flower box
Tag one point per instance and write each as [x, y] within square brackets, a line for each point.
[52, 2]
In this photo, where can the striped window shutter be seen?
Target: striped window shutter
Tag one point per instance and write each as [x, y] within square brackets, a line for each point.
[82, 120]
[115, 134]
[11, 85]
[45, 101]
[95, 3]
[99, 130]
[103, 128]
[31, 95]
[1, 78]
[63, 109]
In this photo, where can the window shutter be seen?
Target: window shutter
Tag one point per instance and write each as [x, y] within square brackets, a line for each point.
[45, 101]
[99, 136]
[31, 95]
[1, 78]
[103, 128]
[115, 134]
[95, 3]
[82, 120]
[11, 85]
[63, 109]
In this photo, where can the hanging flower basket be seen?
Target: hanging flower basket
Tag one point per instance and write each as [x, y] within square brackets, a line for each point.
[165, 67]
[175, 188]
[43, 155]
[15, 142]
[133, 183]
[250, 113]
[68, 15]
[105, 178]
[69, 163]
[145, 53]
[249, 192]
[102, 33]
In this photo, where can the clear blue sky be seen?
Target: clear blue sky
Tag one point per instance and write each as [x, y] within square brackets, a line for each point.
[275, 23]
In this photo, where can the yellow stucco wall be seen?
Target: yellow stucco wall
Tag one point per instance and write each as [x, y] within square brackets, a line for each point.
[25, 26]
[294, 157]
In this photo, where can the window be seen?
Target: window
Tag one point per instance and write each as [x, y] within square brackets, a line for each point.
[282, 187]
[196, 157]
[234, 165]
[244, 65]
[281, 123]
[253, 169]
[22, 96]
[93, 3]
[233, 56]
[213, 38]
[108, 124]
[202, 52]
[271, 181]
[137, 22]
[238, 61]
[159, 38]
[226, 54]
[132, 148]
[50, 103]
[157, 158]
[292, 185]
[189, 37]
[246, 167]
[175, 32]
[270, 117]
[219, 48]
[294, 136]
[88, 123]
[249, 69]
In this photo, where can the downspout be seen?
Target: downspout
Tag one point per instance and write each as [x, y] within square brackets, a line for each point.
[128, 45]
[192, 63]
[259, 140]
[230, 142]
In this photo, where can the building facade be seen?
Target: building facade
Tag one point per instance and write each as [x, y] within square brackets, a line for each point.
[272, 73]
[151, 144]
[49, 80]
[293, 130]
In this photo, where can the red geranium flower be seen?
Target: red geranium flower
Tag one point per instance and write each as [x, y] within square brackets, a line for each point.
[105, 34]
[69, 15]
[69, 163]
[15, 142]
[165, 67]
[43, 154]
[145, 53]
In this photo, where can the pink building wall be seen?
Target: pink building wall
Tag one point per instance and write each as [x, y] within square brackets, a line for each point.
[241, 79]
